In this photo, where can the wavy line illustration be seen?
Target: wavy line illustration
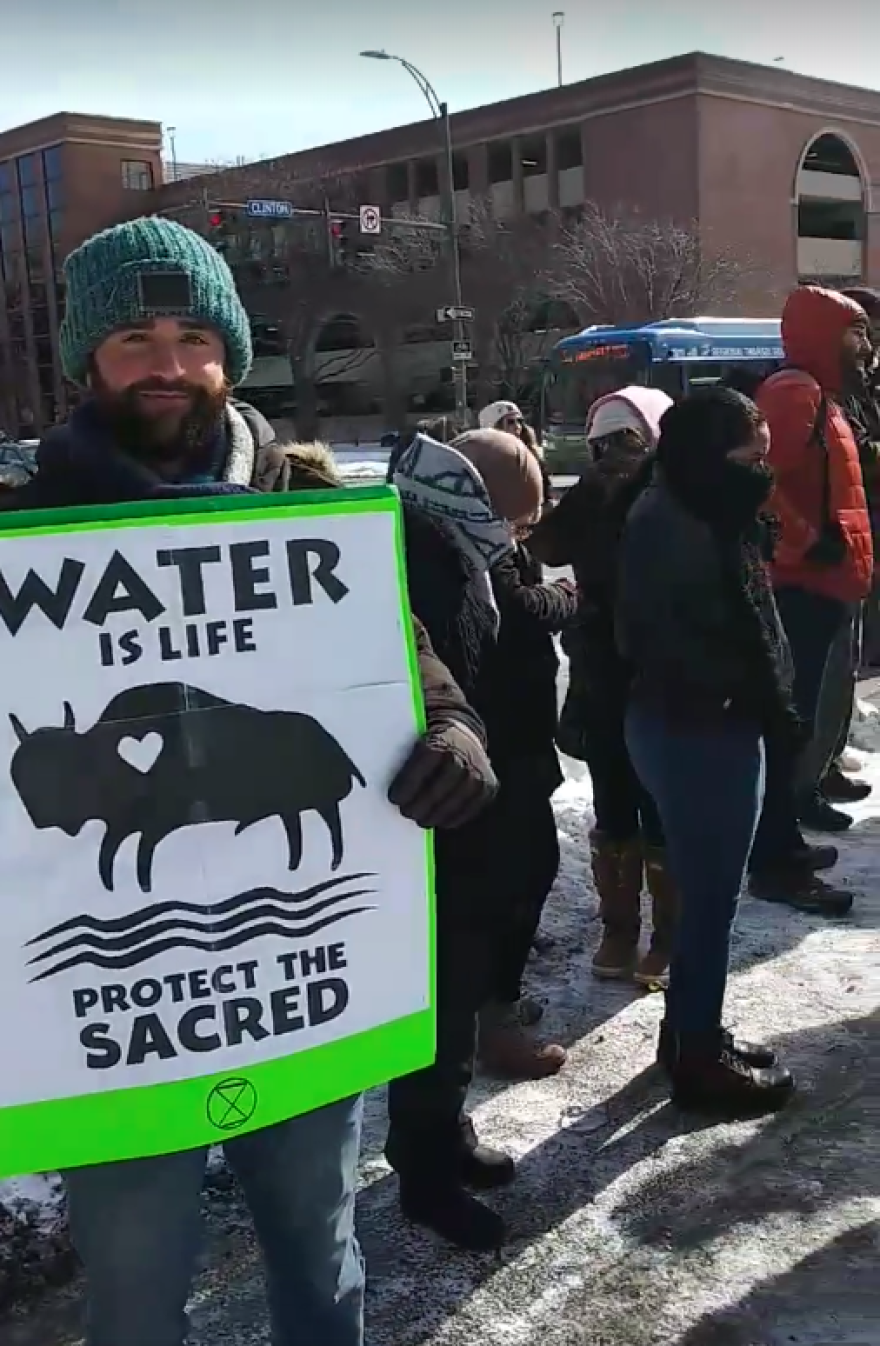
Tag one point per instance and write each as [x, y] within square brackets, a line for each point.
[144, 937]
[228, 904]
[117, 963]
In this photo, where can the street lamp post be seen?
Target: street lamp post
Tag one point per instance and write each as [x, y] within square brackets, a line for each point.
[440, 111]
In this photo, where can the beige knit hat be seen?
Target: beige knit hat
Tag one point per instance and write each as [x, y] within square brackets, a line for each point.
[511, 474]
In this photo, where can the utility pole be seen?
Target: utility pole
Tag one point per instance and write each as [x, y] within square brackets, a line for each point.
[172, 143]
[558, 21]
[459, 367]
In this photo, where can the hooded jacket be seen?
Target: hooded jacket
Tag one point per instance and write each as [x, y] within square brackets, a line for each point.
[813, 325]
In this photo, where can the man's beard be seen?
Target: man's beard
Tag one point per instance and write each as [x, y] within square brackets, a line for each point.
[163, 438]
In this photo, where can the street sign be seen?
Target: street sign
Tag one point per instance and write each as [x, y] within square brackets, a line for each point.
[270, 210]
[462, 351]
[455, 313]
[371, 220]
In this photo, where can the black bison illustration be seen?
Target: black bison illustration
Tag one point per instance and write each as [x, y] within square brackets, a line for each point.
[166, 756]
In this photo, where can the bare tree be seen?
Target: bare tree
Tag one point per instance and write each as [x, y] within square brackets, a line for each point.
[285, 275]
[626, 268]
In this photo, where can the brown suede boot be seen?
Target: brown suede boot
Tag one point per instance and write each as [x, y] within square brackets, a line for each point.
[507, 1050]
[617, 874]
[653, 968]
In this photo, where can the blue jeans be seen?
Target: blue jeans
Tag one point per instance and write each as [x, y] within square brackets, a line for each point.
[136, 1226]
[820, 633]
[707, 782]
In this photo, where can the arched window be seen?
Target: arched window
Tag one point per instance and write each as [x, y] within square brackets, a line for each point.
[343, 332]
[831, 212]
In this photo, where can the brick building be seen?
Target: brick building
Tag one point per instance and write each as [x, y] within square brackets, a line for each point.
[783, 167]
[61, 178]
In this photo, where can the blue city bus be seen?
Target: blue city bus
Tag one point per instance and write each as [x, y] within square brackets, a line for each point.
[676, 355]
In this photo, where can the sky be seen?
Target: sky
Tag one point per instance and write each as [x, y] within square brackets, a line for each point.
[255, 78]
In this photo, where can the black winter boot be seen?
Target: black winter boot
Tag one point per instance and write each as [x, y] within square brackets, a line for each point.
[752, 1053]
[840, 789]
[482, 1167]
[793, 886]
[818, 815]
[712, 1079]
[450, 1211]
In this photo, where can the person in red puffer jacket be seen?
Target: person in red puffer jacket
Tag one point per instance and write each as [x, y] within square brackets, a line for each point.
[823, 564]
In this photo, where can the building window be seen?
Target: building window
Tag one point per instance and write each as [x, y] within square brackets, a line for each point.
[137, 175]
[427, 180]
[569, 151]
[36, 270]
[53, 163]
[500, 161]
[33, 233]
[533, 156]
[31, 203]
[54, 194]
[6, 181]
[9, 241]
[461, 172]
[28, 175]
[398, 182]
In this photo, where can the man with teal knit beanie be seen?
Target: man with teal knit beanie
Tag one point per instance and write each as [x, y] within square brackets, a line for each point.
[155, 334]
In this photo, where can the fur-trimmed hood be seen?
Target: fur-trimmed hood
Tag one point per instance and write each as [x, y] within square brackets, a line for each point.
[313, 460]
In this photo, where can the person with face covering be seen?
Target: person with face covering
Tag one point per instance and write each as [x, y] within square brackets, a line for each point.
[710, 676]
[626, 844]
[158, 422]
[463, 502]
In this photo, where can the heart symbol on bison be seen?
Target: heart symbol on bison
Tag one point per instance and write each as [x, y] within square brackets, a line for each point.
[141, 753]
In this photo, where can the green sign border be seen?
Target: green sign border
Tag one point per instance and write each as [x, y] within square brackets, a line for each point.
[160, 1119]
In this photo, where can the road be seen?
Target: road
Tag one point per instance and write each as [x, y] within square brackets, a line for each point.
[631, 1226]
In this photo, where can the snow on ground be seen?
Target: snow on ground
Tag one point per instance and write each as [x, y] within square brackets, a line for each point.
[631, 1226]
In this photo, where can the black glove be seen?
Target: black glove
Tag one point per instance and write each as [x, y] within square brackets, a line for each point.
[830, 550]
[446, 780]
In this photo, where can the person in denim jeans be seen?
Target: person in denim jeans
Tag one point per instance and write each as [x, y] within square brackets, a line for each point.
[710, 675]
[137, 1228]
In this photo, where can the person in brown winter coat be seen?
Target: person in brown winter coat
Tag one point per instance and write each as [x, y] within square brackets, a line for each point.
[521, 724]
[461, 502]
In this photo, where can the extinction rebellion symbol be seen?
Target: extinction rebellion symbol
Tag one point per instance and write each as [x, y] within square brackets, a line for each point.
[231, 1103]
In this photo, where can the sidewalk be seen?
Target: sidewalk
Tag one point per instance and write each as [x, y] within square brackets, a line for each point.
[631, 1226]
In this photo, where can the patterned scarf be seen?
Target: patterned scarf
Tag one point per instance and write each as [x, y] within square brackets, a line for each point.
[439, 480]
[442, 483]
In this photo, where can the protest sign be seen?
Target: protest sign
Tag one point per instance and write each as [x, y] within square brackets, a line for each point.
[212, 918]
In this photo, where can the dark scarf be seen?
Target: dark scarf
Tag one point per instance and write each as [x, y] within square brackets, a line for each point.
[80, 464]
[727, 497]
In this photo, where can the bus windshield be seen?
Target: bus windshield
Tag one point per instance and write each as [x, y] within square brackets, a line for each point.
[575, 379]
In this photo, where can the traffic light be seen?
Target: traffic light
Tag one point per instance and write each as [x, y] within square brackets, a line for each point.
[220, 228]
[340, 243]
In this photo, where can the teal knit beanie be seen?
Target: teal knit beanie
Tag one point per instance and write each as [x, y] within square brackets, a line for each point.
[149, 268]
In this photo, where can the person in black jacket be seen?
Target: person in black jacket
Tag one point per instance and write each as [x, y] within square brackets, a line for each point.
[158, 424]
[520, 719]
[626, 844]
[460, 503]
[711, 676]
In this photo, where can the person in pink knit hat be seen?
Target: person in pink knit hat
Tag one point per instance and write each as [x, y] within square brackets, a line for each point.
[626, 844]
